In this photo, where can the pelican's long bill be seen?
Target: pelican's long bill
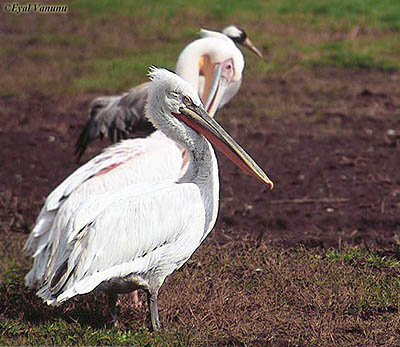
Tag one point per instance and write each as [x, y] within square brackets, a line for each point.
[253, 48]
[213, 89]
[219, 83]
[198, 119]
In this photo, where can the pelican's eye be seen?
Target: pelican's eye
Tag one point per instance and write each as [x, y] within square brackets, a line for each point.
[187, 100]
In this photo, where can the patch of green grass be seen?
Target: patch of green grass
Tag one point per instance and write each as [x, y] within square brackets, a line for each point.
[351, 55]
[60, 332]
[124, 72]
[239, 292]
[382, 14]
[161, 10]
[361, 256]
[101, 8]
[63, 40]
[112, 73]
[11, 271]
[50, 55]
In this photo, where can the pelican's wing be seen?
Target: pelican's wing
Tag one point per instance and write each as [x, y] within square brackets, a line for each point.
[111, 157]
[145, 231]
[115, 117]
[149, 160]
[155, 155]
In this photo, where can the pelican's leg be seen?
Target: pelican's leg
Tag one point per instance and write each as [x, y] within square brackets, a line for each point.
[153, 308]
[112, 305]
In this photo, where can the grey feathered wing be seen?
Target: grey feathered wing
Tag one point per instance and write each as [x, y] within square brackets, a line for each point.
[115, 117]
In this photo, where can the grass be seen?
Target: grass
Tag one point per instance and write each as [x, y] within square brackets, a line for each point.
[110, 45]
[117, 72]
[376, 14]
[383, 14]
[294, 296]
[60, 332]
[353, 55]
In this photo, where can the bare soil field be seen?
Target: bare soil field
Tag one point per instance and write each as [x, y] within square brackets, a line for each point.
[329, 139]
[333, 153]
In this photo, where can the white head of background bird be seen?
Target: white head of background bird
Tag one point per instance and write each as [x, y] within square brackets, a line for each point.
[239, 36]
[216, 58]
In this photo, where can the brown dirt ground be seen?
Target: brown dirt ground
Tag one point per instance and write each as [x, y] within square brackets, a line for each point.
[330, 140]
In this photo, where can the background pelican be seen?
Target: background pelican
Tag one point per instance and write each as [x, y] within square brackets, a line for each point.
[142, 160]
[135, 237]
[116, 116]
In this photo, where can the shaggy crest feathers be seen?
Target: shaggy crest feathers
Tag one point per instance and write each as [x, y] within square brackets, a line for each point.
[164, 78]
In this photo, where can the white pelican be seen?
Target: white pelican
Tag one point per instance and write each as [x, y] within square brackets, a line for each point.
[199, 63]
[133, 238]
[141, 160]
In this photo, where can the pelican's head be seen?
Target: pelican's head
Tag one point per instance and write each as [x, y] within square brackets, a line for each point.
[239, 36]
[175, 108]
[166, 95]
[214, 66]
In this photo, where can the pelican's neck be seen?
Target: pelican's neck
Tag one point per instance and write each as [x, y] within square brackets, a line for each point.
[203, 171]
[188, 64]
[190, 60]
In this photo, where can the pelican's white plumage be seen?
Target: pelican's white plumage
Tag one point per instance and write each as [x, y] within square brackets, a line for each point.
[129, 162]
[142, 160]
[128, 233]
[217, 48]
[136, 236]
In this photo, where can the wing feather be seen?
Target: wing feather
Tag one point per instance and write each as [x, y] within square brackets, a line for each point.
[150, 160]
[115, 117]
[148, 231]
